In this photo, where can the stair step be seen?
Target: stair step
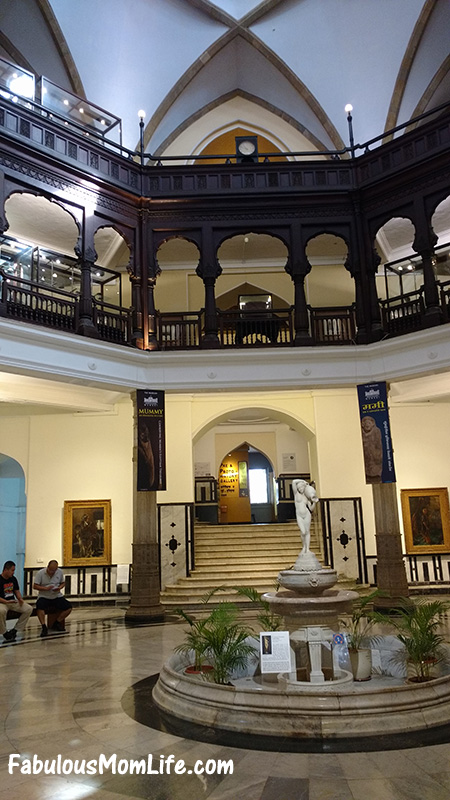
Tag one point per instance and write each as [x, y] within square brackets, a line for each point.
[237, 555]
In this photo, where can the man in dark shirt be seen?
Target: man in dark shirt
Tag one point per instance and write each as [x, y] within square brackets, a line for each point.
[10, 598]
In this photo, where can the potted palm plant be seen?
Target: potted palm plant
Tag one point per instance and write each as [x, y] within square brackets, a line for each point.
[218, 642]
[417, 626]
[358, 626]
[226, 642]
[194, 643]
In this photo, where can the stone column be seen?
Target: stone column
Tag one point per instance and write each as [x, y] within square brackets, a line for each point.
[145, 603]
[391, 574]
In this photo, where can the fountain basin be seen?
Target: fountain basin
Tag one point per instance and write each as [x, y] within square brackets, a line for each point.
[327, 711]
[307, 582]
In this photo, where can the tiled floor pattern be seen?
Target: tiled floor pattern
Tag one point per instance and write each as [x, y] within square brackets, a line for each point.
[62, 695]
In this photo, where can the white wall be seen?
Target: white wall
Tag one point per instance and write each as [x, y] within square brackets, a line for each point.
[89, 456]
[73, 457]
[421, 440]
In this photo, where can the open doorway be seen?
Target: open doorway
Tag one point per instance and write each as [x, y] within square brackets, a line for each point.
[246, 487]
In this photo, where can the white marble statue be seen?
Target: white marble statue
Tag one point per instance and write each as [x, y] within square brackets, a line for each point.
[305, 499]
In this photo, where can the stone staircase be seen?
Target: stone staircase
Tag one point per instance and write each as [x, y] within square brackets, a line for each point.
[238, 555]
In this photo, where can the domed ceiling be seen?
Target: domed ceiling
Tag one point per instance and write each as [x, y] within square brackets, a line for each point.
[283, 69]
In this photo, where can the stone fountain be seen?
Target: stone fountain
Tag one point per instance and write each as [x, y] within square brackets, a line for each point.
[292, 708]
[308, 603]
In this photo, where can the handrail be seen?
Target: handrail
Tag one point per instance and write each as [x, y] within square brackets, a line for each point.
[44, 290]
[159, 160]
[401, 297]
[301, 153]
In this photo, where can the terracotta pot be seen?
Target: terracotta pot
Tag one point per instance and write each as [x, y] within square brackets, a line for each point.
[413, 677]
[193, 670]
[361, 661]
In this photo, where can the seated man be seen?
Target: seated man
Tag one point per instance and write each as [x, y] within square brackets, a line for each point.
[10, 598]
[49, 582]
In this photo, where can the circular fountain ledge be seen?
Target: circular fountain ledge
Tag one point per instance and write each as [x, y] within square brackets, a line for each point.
[325, 711]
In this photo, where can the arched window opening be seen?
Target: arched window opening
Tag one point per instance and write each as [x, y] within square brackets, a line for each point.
[400, 271]
[440, 222]
[113, 257]
[330, 290]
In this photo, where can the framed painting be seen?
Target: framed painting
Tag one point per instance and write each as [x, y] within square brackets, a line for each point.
[87, 532]
[426, 520]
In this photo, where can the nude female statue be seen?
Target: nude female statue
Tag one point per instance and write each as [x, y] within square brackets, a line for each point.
[305, 498]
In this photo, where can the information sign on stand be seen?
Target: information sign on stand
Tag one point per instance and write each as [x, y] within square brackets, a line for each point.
[275, 651]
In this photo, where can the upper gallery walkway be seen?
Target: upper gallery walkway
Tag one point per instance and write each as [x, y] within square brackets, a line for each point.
[148, 200]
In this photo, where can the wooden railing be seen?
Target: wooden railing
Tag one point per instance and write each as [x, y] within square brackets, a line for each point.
[112, 322]
[332, 325]
[55, 308]
[179, 331]
[256, 327]
[27, 301]
[444, 290]
[403, 314]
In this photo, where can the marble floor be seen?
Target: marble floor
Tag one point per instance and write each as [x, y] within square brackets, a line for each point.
[62, 696]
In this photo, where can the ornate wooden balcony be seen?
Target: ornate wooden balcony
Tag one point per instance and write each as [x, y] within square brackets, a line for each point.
[27, 301]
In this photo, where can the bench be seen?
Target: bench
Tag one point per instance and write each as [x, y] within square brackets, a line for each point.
[51, 618]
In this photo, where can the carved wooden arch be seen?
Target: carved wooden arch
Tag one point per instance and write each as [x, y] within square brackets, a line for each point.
[73, 211]
[376, 223]
[161, 237]
[221, 236]
[124, 232]
[432, 202]
[342, 230]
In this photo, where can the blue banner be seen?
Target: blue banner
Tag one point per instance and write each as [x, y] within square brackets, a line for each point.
[376, 433]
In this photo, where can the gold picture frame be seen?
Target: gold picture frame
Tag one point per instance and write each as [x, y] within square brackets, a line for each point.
[87, 532]
[426, 520]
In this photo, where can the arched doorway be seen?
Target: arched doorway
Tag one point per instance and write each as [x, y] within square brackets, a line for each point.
[279, 442]
[12, 514]
[246, 486]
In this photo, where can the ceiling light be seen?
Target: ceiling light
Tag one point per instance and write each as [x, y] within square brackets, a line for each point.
[66, 102]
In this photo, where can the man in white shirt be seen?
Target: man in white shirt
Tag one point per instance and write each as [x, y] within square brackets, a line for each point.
[49, 582]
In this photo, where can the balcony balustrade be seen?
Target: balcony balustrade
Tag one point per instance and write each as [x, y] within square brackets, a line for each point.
[28, 301]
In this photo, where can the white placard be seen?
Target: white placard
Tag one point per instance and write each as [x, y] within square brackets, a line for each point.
[123, 574]
[202, 469]
[289, 462]
[275, 651]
